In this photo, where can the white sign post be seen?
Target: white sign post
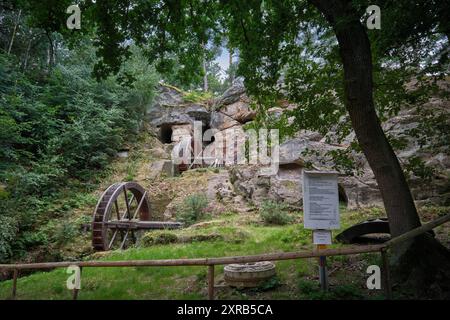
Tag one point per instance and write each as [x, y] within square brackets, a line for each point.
[321, 237]
[320, 200]
[321, 211]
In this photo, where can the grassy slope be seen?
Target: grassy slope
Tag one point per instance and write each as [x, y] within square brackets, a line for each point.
[296, 279]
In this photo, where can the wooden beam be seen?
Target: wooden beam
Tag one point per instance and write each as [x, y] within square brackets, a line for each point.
[417, 231]
[211, 282]
[235, 259]
[126, 201]
[145, 225]
[203, 261]
[14, 287]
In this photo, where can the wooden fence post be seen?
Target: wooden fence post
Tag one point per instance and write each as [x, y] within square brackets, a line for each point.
[211, 282]
[14, 286]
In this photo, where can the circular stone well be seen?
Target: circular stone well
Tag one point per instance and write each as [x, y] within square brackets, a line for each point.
[248, 275]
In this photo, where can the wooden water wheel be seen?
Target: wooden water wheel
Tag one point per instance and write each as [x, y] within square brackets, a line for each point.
[121, 210]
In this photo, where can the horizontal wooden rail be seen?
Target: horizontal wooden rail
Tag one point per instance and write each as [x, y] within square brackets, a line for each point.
[142, 225]
[211, 262]
[200, 261]
[236, 259]
[419, 230]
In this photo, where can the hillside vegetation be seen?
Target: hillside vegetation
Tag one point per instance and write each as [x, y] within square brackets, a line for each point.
[228, 235]
[81, 109]
[224, 234]
[60, 130]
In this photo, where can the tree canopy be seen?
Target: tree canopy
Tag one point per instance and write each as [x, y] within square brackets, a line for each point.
[317, 54]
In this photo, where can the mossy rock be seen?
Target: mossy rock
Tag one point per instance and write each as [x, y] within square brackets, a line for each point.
[155, 238]
[201, 237]
[232, 235]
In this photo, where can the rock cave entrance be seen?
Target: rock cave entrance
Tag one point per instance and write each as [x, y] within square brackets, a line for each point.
[205, 128]
[165, 133]
[343, 200]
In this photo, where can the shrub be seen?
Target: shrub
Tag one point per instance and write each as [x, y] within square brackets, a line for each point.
[154, 238]
[347, 292]
[192, 209]
[269, 284]
[307, 287]
[274, 213]
[8, 230]
[64, 232]
[197, 96]
[58, 129]
[312, 291]
[202, 237]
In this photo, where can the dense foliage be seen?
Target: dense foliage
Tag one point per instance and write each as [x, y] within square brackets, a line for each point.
[288, 51]
[60, 124]
[58, 127]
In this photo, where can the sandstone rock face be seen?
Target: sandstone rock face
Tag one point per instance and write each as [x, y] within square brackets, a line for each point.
[359, 192]
[168, 96]
[161, 167]
[179, 131]
[174, 117]
[219, 187]
[306, 149]
[436, 189]
[239, 111]
[249, 184]
[198, 112]
[231, 111]
[286, 186]
[166, 99]
[228, 146]
[295, 154]
[303, 150]
[234, 93]
[221, 121]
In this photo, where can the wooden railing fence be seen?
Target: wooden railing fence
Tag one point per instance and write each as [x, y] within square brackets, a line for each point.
[212, 262]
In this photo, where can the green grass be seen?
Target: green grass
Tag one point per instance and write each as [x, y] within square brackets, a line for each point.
[190, 282]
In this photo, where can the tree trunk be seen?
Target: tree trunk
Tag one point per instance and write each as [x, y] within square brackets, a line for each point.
[205, 73]
[229, 66]
[356, 56]
[205, 77]
[14, 32]
[357, 60]
[50, 51]
[27, 52]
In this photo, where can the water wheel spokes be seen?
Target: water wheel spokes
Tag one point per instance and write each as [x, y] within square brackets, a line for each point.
[120, 204]
[128, 231]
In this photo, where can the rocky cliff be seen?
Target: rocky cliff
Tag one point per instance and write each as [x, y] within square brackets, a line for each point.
[172, 119]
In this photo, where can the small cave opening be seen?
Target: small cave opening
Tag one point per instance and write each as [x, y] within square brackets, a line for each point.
[165, 133]
[343, 200]
[290, 171]
[210, 137]
[290, 166]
